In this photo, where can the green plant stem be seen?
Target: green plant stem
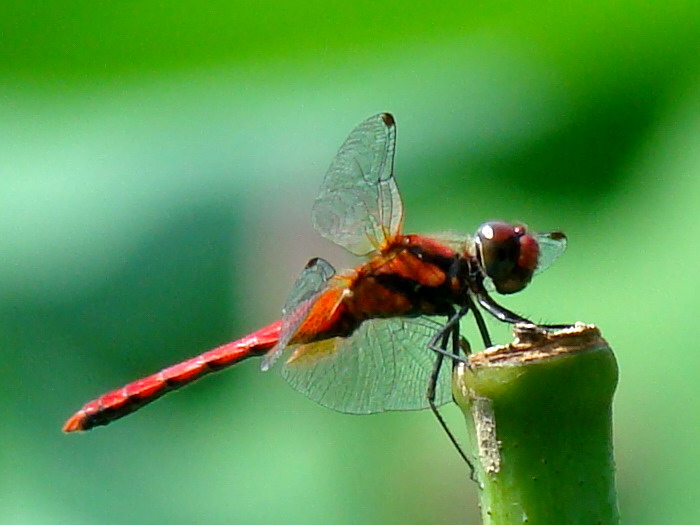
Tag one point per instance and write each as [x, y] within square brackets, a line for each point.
[540, 416]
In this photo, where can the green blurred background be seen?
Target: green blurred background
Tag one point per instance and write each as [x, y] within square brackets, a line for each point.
[158, 165]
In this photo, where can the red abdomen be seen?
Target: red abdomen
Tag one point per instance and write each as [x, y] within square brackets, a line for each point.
[133, 396]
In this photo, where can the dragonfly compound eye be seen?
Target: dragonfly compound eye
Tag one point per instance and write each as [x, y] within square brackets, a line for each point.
[508, 255]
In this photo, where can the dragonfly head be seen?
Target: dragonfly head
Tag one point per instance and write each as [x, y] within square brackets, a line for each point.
[507, 254]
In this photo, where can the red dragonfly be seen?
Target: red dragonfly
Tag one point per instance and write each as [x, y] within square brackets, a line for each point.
[371, 339]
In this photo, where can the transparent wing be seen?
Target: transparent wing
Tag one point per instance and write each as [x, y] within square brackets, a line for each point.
[359, 206]
[385, 365]
[310, 284]
[552, 245]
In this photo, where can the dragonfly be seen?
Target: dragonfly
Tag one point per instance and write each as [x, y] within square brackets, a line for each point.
[385, 335]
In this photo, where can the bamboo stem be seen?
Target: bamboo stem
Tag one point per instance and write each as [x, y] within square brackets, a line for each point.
[539, 411]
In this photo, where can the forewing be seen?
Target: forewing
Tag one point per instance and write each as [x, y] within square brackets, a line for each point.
[310, 284]
[385, 365]
[359, 206]
[552, 245]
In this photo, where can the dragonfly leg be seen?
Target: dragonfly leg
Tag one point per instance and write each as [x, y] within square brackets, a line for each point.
[485, 337]
[453, 320]
[445, 335]
[438, 343]
[498, 311]
[507, 316]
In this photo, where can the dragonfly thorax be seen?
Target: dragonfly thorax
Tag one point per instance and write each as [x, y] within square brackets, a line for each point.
[415, 276]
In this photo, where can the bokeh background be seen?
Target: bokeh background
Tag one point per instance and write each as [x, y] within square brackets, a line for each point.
[158, 162]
